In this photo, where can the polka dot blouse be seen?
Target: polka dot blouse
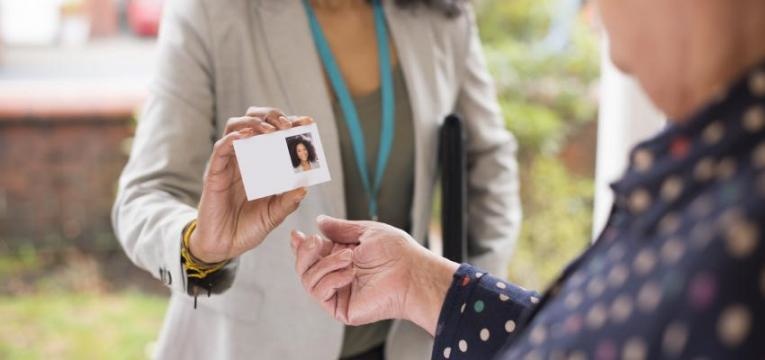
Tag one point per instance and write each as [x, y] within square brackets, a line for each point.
[678, 272]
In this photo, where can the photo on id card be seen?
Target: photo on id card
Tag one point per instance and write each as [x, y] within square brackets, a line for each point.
[281, 161]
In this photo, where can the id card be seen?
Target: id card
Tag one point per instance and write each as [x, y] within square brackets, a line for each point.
[281, 161]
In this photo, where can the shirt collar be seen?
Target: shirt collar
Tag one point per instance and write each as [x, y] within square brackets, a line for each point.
[694, 151]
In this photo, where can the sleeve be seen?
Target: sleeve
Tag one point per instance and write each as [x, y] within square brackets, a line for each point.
[494, 207]
[480, 314]
[161, 184]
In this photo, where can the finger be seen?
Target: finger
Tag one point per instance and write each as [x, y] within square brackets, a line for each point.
[308, 253]
[278, 119]
[359, 319]
[326, 246]
[249, 122]
[343, 297]
[326, 265]
[329, 285]
[223, 150]
[254, 122]
[342, 231]
[301, 120]
[332, 304]
[260, 111]
[329, 305]
[280, 206]
[339, 246]
[295, 239]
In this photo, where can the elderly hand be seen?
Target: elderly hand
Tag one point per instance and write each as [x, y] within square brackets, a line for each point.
[367, 271]
[228, 224]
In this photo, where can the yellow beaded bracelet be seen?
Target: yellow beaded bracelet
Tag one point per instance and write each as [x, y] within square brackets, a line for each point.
[194, 267]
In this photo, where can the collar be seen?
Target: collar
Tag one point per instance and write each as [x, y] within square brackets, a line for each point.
[688, 155]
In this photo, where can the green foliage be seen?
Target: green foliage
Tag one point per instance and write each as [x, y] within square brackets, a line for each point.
[524, 20]
[546, 96]
[557, 222]
[79, 326]
[540, 129]
[26, 259]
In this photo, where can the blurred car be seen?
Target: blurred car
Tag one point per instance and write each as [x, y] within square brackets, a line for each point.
[144, 15]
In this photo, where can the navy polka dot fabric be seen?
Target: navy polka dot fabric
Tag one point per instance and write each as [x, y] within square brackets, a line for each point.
[678, 272]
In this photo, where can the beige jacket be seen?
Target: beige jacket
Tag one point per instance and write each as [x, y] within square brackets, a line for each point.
[217, 58]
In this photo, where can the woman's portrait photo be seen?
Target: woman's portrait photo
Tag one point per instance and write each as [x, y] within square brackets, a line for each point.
[302, 153]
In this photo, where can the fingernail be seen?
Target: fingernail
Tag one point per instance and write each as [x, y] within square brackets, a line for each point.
[298, 234]
[321, 218]
[284, 119]
[346, 255]
[311, 243]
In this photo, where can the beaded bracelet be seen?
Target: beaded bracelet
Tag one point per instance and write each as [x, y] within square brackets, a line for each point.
[194, 267]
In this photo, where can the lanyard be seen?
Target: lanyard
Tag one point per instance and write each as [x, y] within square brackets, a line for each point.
[349, 109]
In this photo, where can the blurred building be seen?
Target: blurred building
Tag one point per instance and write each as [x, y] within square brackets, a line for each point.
[72, 75]
[75, 22]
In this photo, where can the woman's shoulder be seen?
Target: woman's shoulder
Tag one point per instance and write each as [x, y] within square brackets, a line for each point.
[203, 8]
[451, 33]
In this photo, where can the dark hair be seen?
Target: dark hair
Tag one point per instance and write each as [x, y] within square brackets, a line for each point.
[450, 8]
[293, 142]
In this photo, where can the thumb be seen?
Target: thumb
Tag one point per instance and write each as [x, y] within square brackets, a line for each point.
[284, 204]
[341, 231]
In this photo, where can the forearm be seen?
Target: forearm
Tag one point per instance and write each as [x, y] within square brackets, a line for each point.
[431, 278]
[149, 227]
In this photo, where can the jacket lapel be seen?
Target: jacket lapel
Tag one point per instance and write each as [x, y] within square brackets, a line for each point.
[299, 71]
[414, 43]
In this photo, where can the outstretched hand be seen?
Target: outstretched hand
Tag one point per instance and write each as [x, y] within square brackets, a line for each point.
[365, 271]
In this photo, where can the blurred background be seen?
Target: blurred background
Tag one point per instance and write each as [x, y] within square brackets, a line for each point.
[73, 76]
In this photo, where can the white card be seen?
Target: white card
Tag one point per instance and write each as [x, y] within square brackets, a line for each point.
[281, 161]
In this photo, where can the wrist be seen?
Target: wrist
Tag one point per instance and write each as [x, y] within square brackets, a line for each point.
[197, 253]
[430, 283]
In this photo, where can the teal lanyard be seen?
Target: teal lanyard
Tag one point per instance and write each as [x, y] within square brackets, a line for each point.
[349, 109]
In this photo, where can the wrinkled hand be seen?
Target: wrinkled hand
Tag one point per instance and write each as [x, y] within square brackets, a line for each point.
[367, 271]
[228, 224]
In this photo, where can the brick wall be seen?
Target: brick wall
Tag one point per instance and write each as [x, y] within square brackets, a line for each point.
[58, 173]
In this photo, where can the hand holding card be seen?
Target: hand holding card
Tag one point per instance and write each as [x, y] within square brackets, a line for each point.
[227, 223]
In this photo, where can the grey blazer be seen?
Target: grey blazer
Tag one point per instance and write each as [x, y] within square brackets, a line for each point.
[216, 58]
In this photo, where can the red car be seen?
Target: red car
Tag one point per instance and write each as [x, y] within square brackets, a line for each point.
[144, 15]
